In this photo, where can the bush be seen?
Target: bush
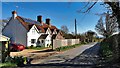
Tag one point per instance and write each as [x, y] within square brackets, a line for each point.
[18, 60]
[107, 47]
[106, 51]
[31, 46]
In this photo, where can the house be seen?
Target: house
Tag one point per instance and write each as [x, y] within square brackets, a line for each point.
[29, 32]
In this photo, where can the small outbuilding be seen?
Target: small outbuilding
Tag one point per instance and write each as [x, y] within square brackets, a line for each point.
[4, 42]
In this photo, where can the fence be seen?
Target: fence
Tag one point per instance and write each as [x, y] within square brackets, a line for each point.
[64, 42]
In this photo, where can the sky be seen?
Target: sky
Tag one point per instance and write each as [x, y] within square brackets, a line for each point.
[60, 13]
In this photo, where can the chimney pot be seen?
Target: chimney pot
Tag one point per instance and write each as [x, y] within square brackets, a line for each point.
[48, 21]
[14, 14]
[39, 18]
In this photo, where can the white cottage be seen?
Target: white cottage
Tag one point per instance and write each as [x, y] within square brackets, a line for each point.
[29, 32]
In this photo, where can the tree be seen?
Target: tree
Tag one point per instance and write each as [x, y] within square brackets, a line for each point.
[108, 28]
[64, 29]
[114, 6]
[89, 35]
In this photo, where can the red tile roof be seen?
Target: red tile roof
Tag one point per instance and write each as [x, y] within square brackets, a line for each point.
[28, 26]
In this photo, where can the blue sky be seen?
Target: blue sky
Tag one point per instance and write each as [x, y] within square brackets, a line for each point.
[60, 13]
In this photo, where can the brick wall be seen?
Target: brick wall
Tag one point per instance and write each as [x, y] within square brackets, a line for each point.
[64, 42]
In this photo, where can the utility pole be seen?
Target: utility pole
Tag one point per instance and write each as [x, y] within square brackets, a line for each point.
[75, 29]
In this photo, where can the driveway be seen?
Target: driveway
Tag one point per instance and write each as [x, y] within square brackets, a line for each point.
[34, 54]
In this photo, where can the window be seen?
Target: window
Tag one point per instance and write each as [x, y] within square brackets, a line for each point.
[33, 40]
[42, 41]
[33, 31]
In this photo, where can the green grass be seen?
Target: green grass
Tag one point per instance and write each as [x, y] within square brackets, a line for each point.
[64, 48]
[8, 64]
[36, 48]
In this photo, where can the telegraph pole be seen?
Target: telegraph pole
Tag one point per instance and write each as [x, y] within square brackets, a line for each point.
[75, 29]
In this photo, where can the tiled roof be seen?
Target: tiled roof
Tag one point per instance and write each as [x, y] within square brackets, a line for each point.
[57, 31]
[52, 30]
[43, 36]
[54, 36]
[40, 28]
[23, 22]
[28, 25]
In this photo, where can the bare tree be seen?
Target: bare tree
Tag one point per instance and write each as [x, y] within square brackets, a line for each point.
[114, 6]
[64, 29]
[108, 28]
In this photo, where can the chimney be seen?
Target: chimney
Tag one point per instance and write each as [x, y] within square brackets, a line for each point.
[48, 21]
[14, 14]
[39, 19]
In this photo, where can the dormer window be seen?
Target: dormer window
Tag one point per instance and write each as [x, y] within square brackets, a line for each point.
[33, 31]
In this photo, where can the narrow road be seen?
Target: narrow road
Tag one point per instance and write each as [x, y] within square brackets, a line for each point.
[85, 56]
[67, 55]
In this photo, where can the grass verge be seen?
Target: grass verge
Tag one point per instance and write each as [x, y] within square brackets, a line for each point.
[36, 48]
[64, 48]
[7, 64]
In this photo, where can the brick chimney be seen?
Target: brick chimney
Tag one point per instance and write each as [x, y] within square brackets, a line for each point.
[14, 14]
[48, 21]
[39, 19]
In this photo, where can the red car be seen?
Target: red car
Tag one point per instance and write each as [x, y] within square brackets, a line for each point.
[16, 47]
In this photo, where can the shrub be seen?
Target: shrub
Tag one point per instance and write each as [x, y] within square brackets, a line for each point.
[31, 46]
[106, 48]
[18, 60]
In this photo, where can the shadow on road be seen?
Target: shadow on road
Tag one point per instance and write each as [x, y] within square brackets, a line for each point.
[58, 65]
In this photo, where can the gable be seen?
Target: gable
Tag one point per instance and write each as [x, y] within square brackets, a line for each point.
[54, 32]
[59, 35]
[48, 31]
[34, 30]
[12, 26]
